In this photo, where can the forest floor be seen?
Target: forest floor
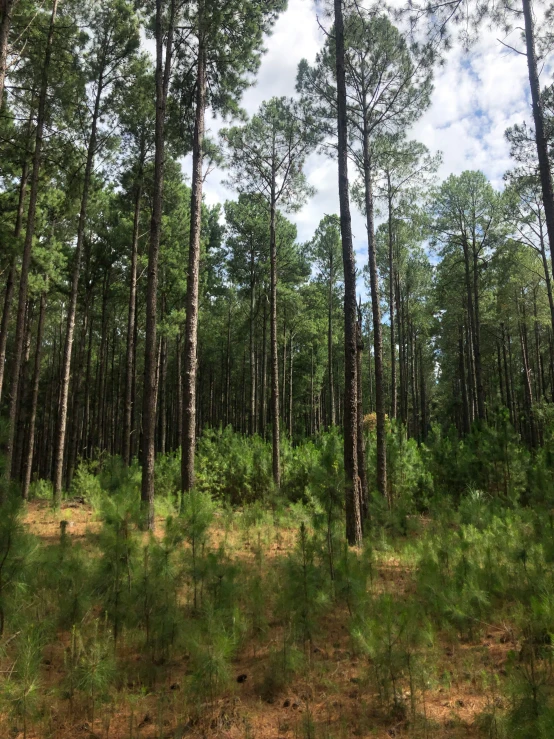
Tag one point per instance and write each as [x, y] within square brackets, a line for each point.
[330, 699]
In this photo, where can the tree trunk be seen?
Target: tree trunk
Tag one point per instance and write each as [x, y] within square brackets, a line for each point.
[130, 353]
[283, 387]
[228, 371]
[273, 340]
[6, 8]
[463, 384]
[191, 328]
[477, 338]
[163, 68]
[352, 500]
[333, 419]
[360, 441]
[538, 118]
[74, 435]
[252, 352]
[290, 387]
[30, 443]
[22, 406]
[8, 295]
[391, 305]
[28, 245]
[527, 384]
[59, 442]
[263, 383]
[422, 395]
[180, 392]
[377, 329]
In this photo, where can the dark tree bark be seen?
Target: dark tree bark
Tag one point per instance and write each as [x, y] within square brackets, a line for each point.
[353, 513]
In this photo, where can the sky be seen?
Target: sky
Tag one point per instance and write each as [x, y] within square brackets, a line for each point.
[477, 95]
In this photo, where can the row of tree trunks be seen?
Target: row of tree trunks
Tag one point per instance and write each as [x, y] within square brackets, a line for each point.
[163, 69]
[28, 245]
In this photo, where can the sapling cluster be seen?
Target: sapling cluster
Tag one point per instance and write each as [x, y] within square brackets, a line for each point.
[168, 627]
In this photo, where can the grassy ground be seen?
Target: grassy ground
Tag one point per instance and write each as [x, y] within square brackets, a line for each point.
[332, 695]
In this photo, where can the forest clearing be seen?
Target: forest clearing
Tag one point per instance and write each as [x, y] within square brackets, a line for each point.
[276, 369]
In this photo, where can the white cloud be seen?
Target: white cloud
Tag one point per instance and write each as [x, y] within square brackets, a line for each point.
[476, 97]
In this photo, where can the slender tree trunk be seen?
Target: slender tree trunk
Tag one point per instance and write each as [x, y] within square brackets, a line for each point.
[290, 388]
[28, 244]
[369, 366]
[263, 383]
[130, 352]
[87, 437]
[59, 442]
[6, 10]
[30, 442]
[8, 295]
[527, 383]
[477, 338]
[283, 388]
[21, 410]
[537, 372]
[377, 328]
[547, 277]
[163, 67]
[333, 419]
[312, 399]
[252, 351]
[228, 417]
[135, 435]
[74, 435]
[273, 341]
[391, 304]
[463, 384]
[360, 441]
[163, 396]
[180, 393]
[191, 328]
[352, 499]
[422, 395]
[538, 118]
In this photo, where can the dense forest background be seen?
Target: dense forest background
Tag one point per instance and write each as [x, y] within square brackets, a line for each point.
[134, 316]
